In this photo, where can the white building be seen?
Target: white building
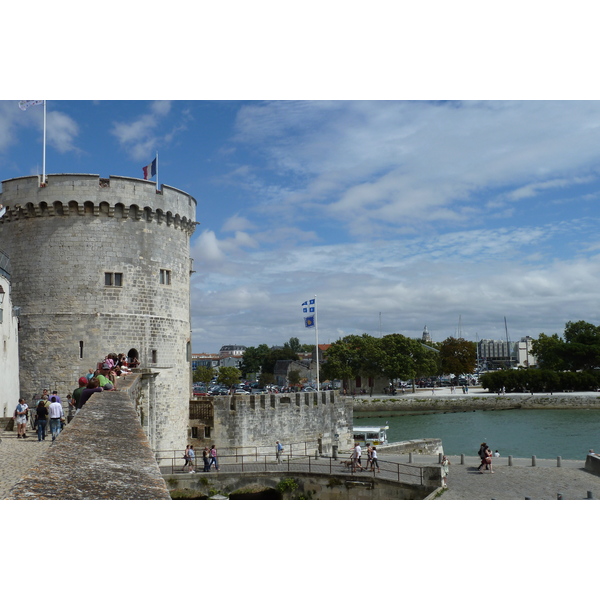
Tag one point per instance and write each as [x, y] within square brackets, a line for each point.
[9, 343]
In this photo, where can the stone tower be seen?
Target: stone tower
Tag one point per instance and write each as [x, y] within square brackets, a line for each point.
[99, 266]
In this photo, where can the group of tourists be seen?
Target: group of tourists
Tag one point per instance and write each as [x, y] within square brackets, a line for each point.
[356, 458]
[485, 454]
[47, 413]
[209, 458]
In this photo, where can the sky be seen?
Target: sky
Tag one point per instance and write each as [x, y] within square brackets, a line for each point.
[410, 164]
[396, 215]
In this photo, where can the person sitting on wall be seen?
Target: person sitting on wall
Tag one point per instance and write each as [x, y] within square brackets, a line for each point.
[92, 387]
[104, 382]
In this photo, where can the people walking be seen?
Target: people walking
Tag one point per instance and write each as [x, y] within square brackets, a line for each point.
[482, 455]
[213, 457]
[42, 417]
[369, 450]
[186, 457]
[374, 461]
[55, 411]
[191, 457]
[445, 470]
[206, 459]
[21, 418]
[278, 451]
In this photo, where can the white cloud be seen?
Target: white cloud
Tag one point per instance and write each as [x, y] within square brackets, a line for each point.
[141, 137]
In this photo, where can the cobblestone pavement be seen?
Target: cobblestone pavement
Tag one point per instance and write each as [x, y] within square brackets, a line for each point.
[17, 456]
[541, 482]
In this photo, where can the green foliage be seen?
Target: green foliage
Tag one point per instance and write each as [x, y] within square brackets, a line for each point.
[393, 356]
[254, 358]
[229, 376]
[294, 345]
[578, 350]
[265, 379]
[458, 356]
[540, 380]
[287, 485]
[294, 377]
[204, 374]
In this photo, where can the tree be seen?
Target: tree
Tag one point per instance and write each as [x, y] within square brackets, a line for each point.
[204, 374]
[458, 356]
[294, 378]
[549, 352]
[406, 358]
[342, 360]
[294, 345]
[254, 358]
[229, 376]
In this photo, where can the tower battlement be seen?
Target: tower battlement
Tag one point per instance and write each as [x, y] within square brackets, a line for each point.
[90, 195]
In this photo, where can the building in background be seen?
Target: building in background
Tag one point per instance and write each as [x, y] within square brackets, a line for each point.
[9, 342]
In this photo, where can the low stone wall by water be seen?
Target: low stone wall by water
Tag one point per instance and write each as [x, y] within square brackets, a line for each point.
[426, 446]
[592, 464]
[475, 402]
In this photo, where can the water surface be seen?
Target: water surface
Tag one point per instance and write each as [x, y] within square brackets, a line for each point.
[568, 433]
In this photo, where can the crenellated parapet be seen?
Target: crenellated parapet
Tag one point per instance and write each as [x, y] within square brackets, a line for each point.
[81, 195]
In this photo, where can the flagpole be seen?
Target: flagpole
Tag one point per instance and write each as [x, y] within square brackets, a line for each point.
[44, 149]
[157, 170]
[317, 340]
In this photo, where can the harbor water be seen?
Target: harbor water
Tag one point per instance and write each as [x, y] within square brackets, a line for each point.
[568, 433]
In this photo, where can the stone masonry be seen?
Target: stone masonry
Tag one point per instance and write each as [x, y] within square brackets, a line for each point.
[99, 266]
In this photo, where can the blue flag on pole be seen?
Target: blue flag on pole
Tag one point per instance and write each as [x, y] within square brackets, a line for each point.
[309, 321]
[308, 306]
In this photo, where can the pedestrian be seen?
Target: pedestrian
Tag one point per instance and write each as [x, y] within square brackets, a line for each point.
[42, 417]
[482, 455]
[206, 459]
[374, 461]
[278, 451]
[20, 415]
[445, 470]
[92, 387]
[186, 457]
[213, 457]
[369, 450]
[191, 457]
[496, 454]
[56, 413]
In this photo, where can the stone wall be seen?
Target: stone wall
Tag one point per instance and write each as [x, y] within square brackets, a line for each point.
[476, 402]
[64, 240]
[9, 351]
[260, 420]
[314, 486]
[592, 464]
[103, 454]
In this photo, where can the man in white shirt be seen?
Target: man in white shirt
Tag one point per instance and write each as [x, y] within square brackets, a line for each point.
[55, 412]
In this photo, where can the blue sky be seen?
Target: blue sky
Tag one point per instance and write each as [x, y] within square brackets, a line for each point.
[395, 214]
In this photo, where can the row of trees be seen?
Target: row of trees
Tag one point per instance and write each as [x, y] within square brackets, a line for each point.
[395, 356]
[567, 362]
[577, 350]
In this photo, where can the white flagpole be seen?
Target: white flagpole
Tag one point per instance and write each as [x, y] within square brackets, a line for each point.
[317, 341]
[44, 148]
[157, 170]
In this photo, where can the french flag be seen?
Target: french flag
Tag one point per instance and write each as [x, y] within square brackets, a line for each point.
[150, 170]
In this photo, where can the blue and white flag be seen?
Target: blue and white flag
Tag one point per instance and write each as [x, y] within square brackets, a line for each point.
[308, 306]
[309, 321]
[25, 104]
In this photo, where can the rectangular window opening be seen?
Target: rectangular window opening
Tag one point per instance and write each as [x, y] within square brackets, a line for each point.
[113, 279]
[165, 277]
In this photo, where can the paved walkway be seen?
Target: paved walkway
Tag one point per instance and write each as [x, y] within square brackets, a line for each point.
[17, 456]
[543, 482]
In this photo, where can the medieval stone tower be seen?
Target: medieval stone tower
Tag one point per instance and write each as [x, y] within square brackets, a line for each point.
[99, 266]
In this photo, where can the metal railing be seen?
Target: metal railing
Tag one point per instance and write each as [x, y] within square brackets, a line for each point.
[267, 463]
